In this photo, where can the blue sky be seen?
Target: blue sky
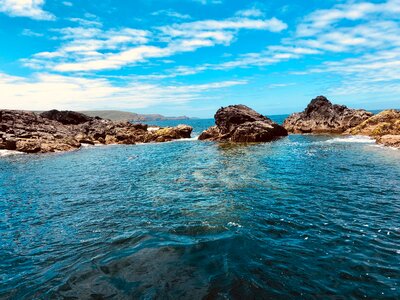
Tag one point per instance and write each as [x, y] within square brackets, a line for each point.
[193, 56]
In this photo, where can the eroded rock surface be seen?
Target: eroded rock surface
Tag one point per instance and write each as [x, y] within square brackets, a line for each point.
[64, 131]
[321, 116]
[239, 123]
[384, 127]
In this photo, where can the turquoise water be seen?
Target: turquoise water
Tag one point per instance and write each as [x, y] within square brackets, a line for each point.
[303, 217]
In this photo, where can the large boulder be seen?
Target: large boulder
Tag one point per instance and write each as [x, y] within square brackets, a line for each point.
[321, 116]
[239, 123]
[173, 133]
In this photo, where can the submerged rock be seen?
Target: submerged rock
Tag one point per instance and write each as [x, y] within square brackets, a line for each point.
[65, 131]
[321, 116]
[384, 127]
[239, 123]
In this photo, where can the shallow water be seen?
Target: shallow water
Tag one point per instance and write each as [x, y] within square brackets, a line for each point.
[305, 216]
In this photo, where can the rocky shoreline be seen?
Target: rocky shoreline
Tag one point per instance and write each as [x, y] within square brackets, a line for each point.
[323, 117]
[241, 124]
[54, 131]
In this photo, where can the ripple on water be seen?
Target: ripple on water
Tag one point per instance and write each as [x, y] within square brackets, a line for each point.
[305, 216]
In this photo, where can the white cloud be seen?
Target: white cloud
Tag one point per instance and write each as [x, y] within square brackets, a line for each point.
[25, 8]
[185, 29]
[383, 66]
[89, 48]
[171, 13]
[321, 20]
[113, 61]
[29, 32]
[84, 46]
[251, 12]
[67, 3]
[272, 55]
[279, 85]
[47, 91]
[205, 2]
[377, 29]
[86, 22]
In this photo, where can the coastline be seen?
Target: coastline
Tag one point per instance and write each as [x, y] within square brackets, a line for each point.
[334, 138]
[58, 131]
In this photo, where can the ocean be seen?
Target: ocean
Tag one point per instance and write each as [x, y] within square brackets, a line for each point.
[302, 217]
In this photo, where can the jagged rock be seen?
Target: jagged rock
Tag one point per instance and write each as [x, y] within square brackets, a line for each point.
[239, 123]
[64, 131]
[384, 127]
[389, 140]
[8, 144]
[28, 146]
[66, 117]
[171, 133]
[386, 122]
[321, 116]
[43, 146]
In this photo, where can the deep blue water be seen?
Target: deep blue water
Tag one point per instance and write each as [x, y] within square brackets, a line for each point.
[303, 217]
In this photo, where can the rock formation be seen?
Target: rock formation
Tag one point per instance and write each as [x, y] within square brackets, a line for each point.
[239, 123]
[66, 117]
[321, 116]
[384, 127]
[64, 131]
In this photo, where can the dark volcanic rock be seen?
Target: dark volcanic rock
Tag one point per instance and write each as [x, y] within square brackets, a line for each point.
[64, 131]
[66, 117]
[239, 123]
[321, 116]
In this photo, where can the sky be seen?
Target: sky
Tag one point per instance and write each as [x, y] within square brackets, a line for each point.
[190, 57]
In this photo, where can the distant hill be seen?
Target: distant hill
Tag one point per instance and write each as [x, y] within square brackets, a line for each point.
[117, 115]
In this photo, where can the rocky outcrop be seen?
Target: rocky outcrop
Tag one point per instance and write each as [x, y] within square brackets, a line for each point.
[239, 123]
[321, 116]
[386, 122]
[384, 127]
[66, 117]
[389, 140]
[64, 131]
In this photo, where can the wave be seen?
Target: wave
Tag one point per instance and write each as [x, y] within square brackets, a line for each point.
[9, 152]
[385, 147]
[351, 139]
[195, 138]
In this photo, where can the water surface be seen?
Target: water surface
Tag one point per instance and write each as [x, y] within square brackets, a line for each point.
[305, 216]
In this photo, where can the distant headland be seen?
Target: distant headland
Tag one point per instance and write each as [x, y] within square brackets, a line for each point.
[119, 115]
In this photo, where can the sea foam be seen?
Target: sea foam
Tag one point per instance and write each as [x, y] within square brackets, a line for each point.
[9, 152]
[352, 139]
